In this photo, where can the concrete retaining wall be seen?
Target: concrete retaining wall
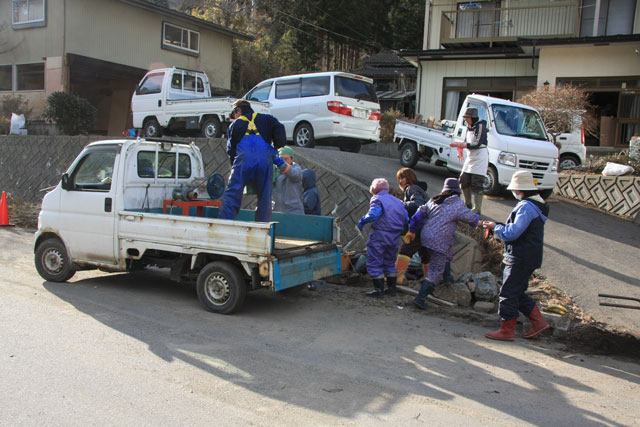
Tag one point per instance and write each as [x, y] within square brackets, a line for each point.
[619, 195]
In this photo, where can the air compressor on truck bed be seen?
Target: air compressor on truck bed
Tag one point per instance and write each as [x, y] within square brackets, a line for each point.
[122, 205]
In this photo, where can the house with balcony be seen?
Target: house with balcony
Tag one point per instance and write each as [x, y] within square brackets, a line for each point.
[100, 49]
[507, 48]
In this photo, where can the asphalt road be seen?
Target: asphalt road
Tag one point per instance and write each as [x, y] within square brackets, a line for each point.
[586, 252]
[139, 350]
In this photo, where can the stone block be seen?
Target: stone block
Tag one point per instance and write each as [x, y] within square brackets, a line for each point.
[484, 307]
[486, 286]
[457, 293]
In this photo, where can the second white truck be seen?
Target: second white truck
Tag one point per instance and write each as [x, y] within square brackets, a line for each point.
[175, 100]
[516, 140]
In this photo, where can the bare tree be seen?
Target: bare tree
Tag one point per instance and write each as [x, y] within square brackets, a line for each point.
[559, 106]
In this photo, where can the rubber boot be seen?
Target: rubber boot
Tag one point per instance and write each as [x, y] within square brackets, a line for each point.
[538, 324]
[378, 292]
[447, 277]
[391, 286]
[466, 197]
[477, 202]
[425, 290]
[507, 331]
[402, 262]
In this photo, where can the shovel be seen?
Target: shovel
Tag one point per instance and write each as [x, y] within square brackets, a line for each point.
[609, 304]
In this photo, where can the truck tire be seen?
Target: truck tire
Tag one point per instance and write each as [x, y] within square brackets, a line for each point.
[211, 128]
[568, 161]
[221, 287]
[52, 261]
[151, 129]
[491, 185]
[408, 155]
[303, 136]
[545, 194]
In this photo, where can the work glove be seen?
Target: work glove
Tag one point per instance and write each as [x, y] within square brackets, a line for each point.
[361, 224]
[457, 145]
[408, 238]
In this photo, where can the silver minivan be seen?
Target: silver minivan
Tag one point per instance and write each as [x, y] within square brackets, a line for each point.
[329, 108]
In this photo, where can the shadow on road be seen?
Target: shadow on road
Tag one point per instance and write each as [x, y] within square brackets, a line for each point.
[330, 351]
[600, 269]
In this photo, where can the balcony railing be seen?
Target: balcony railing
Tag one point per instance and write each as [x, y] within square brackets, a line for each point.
[493, 26]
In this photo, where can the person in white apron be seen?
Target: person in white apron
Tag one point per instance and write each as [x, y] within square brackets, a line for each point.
[475, 166]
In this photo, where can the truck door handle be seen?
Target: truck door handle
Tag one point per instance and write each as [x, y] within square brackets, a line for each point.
[159, 102]
[107, 204]
[459, 132]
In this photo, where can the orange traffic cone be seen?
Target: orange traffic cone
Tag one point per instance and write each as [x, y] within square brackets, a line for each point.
[4, 212]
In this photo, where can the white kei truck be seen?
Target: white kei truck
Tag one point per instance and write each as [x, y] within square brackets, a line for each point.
[121, 206]
[178, 101]
[516, 139]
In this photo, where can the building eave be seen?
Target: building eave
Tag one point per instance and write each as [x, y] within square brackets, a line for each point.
[467, 54]
[170, 13]
[568, 41]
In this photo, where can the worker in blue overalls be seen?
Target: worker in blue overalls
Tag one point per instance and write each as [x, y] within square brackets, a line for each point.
[252, 156]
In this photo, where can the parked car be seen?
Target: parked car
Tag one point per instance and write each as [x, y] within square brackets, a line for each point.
[332, 108]
[175, 100]
[120, 207]
[516, 139]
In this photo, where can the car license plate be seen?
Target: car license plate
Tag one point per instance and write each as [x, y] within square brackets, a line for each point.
[359, 113]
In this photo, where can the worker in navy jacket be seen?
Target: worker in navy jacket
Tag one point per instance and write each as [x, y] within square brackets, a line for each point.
[250, 146]
[523, 236]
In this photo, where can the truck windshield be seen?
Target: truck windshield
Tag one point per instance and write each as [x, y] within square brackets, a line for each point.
[520, 122]
[352, 88]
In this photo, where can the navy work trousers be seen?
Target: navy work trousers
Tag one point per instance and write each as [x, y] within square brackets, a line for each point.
[253, 162]
[515, 281]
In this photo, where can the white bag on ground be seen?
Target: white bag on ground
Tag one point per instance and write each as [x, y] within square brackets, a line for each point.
[616, 169]
[17, 123]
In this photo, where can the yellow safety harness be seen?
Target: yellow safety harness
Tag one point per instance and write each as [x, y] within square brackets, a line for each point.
[251, 129]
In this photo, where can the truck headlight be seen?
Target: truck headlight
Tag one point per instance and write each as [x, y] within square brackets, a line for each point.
[508, 159]
[554, 165]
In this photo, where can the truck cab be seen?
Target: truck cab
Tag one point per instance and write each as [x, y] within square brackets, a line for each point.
[516, 139]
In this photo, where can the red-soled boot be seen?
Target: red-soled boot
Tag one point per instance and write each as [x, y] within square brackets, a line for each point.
[538, 324]
[507, 331]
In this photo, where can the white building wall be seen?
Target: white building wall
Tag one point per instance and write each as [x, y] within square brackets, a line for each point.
[434, 73]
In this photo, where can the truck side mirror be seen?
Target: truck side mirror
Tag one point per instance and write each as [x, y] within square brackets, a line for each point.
[65, 182]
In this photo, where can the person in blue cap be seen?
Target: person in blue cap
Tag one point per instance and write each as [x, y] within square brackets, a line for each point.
[250, 145]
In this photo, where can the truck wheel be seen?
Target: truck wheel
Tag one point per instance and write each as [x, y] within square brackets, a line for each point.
[491, 184]
[303, 136]
[152, 129]
[545, 194]
[211, 128]
[568, 161]
[52, 261]
[221, 287]
[408, 155]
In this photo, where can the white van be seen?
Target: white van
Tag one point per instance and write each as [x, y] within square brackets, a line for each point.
[332, 108]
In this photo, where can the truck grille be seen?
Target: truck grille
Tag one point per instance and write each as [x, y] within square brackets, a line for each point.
[539, 176]
[538, 166]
